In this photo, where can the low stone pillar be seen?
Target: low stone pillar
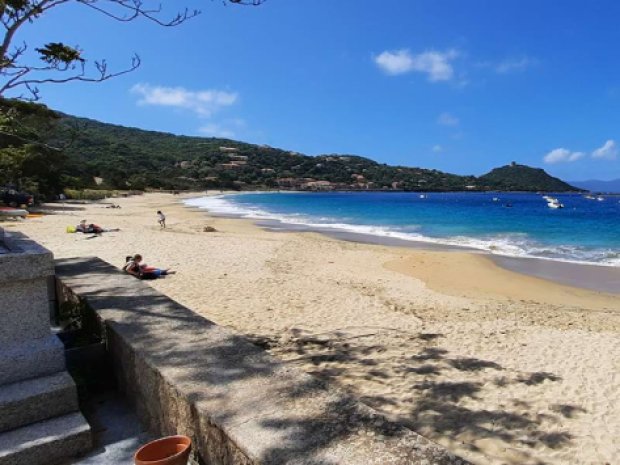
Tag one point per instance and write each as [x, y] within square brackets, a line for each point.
[39, 418]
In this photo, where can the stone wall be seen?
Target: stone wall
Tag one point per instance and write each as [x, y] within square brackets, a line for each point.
[241, 406]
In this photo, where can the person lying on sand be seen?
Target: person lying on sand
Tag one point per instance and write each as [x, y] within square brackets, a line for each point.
[92, 228]
[135, 267]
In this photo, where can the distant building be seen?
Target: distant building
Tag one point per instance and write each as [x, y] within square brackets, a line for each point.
[288, 182]
[229, 149]
[318, 185]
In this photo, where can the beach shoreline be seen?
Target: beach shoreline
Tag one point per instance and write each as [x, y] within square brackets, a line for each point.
[500, 367]
[589, 276]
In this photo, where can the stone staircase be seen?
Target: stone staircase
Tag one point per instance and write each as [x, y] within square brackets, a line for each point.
[39, 418]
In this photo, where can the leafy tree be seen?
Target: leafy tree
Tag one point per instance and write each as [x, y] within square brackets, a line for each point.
[26, 160]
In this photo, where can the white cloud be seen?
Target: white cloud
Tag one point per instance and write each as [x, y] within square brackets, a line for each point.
[514, 64]
[436, 65]
[397, 62]
[437, 148]
[446, 119]
[202, 102]
[561, 155]
[609, 151]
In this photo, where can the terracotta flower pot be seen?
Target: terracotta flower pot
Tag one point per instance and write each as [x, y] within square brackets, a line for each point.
[171, 450]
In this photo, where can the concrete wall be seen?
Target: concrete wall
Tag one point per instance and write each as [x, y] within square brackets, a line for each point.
[241, 406]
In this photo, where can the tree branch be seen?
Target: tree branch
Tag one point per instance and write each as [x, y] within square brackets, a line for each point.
[135, 9]
[31, 84]
[60, 58]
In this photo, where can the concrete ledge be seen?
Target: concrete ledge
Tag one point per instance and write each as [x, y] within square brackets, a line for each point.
[46, 442]
[24, 259]
[36, 399]
[189, 376]
[39, 357]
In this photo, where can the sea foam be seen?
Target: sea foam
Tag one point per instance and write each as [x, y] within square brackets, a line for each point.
[512, 245]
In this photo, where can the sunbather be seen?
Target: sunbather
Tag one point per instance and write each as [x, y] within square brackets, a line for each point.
[92, 228]
[135, 267]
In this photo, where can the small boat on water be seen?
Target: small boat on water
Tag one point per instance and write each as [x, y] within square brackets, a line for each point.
[422, 196]
[554, 203]
[600, 198]
[589, 197]
[495, 199]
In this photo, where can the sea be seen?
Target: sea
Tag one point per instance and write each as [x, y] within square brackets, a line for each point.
[510, 224]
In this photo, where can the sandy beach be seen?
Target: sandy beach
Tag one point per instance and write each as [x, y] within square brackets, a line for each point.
[500, 367]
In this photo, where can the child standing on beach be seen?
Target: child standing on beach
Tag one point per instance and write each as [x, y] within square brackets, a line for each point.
[161, 219]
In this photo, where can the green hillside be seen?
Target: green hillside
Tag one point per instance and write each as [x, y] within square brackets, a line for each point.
[111, 156]
[516, 177]
[129, 157]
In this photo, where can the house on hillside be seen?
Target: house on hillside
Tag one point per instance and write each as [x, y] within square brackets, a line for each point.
[289, 182]
[229, 166]
[318, 186]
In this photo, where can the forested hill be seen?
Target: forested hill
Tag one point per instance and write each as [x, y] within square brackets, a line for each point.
[521, 178]
[122, 157]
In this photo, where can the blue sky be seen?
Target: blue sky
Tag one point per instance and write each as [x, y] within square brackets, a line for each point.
[461, 86]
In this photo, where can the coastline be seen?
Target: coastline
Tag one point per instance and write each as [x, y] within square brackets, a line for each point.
[583, 275]
[498, 366]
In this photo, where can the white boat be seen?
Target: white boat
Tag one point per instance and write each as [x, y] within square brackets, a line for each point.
[589, 197]
[547, 197]
[554, 203]
[600, 199]
[495, 199]
[422, 196]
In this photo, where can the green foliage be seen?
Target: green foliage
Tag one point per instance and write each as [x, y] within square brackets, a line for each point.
[516, 177]
[56, 53]
[90, 194]
[26, 160]
[130, 158]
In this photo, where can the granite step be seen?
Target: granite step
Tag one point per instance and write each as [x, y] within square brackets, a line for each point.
[38, 399]
[48, 442]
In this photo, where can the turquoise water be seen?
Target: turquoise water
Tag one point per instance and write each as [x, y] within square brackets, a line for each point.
[514, 224]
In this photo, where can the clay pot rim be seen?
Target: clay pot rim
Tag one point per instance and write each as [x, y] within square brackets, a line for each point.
[166, 438]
